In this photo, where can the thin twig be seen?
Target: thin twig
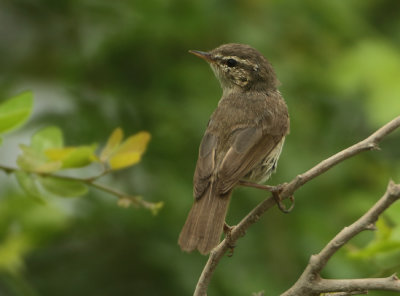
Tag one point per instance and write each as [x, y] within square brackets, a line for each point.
[288, 190]
[310, 282]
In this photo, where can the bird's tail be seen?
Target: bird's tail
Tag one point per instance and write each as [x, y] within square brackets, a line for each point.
[205, 222]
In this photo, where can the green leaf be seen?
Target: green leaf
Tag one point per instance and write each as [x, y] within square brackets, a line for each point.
[388, 260]
[113, 143]
[73, 157]
[62, 187]
[13, 246]
[384, 230]
[47, 138]
[130, 152]
[381, 244]
[1, 141]
[29, 185]
[15, 111]
[29, 160]
[32, 161]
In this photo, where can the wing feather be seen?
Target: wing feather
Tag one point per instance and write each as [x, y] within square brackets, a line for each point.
[205, 164]
[249, 148]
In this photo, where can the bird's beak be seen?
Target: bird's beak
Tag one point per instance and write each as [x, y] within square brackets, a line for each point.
[202, 54]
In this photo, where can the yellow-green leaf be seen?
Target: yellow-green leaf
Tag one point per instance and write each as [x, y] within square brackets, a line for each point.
[58, 153]
[130, 151]
[123, 160]
[62, 187]
[29, 185]
[15, 111]
[113, 143]
[156, 207]
[136, 143]
[73, 157]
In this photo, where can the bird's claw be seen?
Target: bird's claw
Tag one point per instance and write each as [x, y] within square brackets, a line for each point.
[276, 191]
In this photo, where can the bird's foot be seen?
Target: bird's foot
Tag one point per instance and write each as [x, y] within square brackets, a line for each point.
[275, 190]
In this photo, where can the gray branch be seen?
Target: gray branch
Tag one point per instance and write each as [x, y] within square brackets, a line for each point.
[310, 283]
[288, 189]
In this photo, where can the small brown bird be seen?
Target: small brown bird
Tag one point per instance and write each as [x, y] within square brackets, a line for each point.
[242, 142]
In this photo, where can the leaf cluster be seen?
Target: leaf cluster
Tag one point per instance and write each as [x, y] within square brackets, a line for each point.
[40, 162]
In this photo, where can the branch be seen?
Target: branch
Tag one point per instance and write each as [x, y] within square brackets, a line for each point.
[288, 189]
[310, 282]
[123, 198]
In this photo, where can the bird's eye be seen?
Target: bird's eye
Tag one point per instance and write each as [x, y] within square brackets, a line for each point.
[231, 62]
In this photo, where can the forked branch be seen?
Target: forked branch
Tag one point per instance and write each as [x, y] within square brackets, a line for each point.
[288, 189]
[310, 282]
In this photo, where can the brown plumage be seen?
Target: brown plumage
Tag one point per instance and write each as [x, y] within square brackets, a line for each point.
[243, 139]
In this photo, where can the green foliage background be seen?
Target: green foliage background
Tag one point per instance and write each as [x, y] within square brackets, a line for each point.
[94, 65]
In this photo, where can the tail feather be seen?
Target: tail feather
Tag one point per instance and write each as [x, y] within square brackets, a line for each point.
[205, 222]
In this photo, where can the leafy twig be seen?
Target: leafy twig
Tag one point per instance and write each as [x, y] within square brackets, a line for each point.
[124, 199]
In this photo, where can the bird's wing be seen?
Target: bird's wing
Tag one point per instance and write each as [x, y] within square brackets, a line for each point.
[248, 149]
[205, 164]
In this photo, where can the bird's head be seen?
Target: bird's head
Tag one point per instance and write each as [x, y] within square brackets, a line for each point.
[240, 66]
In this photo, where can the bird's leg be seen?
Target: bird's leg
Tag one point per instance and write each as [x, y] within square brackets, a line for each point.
[258, 186]
[275, 190]
[227, 231]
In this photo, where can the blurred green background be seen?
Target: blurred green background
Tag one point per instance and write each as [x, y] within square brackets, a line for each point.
[94, 65]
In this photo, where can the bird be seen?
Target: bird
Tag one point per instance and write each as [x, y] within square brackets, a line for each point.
[242, 142]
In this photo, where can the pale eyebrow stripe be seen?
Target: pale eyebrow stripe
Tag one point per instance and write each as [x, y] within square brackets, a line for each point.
[239, 60]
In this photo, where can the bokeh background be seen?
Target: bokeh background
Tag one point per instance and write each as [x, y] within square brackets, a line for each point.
[94, 65]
